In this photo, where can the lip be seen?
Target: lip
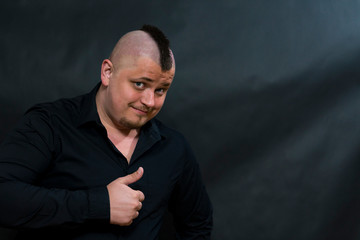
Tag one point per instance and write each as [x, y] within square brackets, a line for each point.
[141, 112]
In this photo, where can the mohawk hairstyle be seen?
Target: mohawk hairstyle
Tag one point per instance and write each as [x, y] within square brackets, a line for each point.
[163, 45]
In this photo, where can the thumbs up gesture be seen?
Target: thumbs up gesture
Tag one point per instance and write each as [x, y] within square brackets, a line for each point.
[125, 203]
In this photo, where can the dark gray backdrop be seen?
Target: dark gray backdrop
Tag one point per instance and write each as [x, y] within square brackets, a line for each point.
[267, 93]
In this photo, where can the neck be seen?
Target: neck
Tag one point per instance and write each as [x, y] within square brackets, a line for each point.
[124, 139]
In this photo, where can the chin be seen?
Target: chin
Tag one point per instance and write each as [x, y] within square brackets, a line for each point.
[132, 124]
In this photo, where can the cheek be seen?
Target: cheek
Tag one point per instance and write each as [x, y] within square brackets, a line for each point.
[117, 103]
[159, 103]
[120, 96]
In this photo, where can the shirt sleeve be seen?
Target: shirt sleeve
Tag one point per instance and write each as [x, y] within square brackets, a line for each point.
[25, 154]
[190, 204]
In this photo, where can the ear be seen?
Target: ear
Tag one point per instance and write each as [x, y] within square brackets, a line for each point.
[106, 71]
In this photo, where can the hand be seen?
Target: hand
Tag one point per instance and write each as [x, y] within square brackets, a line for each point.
[125, 203]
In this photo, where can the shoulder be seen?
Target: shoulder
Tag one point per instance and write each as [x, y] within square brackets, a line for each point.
[66, 108]
[63, 104]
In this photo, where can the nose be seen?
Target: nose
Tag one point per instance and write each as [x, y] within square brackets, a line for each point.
[148, 98]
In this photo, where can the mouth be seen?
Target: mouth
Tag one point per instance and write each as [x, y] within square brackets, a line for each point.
[141, 111]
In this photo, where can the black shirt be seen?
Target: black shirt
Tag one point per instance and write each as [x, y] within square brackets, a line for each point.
[55, 166]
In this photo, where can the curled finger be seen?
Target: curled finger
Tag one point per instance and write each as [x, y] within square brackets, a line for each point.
[136, 214]
[139, 206]
[141, 196]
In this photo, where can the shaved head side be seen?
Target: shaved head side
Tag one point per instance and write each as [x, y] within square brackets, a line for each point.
[149, 41]
[131, 46]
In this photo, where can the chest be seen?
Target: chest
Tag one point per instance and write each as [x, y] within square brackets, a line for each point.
[91, 160]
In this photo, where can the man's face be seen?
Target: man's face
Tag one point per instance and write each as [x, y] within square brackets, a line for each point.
[136, 93]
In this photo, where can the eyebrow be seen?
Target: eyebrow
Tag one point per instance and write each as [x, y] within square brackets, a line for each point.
[166, 84]
[147, 79]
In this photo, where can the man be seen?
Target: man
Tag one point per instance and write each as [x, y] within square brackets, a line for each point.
[100, 166]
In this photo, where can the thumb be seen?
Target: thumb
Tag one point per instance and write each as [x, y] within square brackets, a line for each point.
[133, 177]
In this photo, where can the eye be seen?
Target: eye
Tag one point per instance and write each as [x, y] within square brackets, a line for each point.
[160, 91]
[139, 85]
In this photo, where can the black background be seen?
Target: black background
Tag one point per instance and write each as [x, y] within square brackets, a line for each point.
[267, 93]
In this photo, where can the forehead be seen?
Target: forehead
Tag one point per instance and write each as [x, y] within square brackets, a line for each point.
[147, 66]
